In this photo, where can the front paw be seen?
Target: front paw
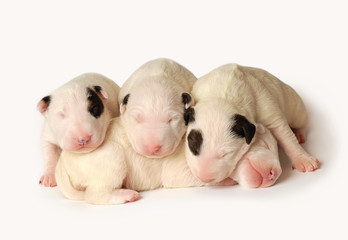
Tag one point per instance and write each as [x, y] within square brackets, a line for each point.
[48, 180]
[305, 163]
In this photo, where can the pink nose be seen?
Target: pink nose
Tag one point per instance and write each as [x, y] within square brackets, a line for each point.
[153, 148]
[83, 140]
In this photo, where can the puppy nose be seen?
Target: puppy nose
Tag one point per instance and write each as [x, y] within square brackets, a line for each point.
[83, 140]
[154, 148]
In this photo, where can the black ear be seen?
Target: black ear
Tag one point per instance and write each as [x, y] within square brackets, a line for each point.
[189, 115]
[102, 93]
[42, 106]
[187, 100]
[243, 128]
[124, 103]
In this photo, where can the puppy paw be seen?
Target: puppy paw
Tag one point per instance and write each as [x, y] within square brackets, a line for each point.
[48, 180]
[124, 195]
[305, 164]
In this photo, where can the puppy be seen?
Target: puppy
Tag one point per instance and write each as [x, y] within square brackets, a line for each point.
[152, 105]
[221, 126]
[76, 118]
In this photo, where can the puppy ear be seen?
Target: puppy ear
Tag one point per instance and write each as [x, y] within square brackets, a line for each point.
[101, 92]
[189, 115]
[187, 100]
[43, 104]
[124, 103]
[243, 128]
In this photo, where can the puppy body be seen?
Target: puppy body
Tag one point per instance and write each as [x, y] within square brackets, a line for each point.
[76, 118]
[152, 105]
[230, 100]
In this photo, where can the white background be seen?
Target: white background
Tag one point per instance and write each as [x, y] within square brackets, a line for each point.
[43, 44]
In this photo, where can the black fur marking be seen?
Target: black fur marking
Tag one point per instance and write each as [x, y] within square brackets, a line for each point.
[46, 99]
[243, 128]
[189, 115]
[97, 88]
[195, 141]
[186, 98]
[125, 99]
[95, 106]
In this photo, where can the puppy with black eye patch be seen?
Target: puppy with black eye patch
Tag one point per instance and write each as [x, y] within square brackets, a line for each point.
[221, 126]
[153, 100]
[76, 118]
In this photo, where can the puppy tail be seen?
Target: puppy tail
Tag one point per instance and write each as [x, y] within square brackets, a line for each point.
[65, 186]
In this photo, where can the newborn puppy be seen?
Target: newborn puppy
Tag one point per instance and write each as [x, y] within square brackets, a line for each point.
[152, 105]
[76, 118]
[221, 127]
[260, 166]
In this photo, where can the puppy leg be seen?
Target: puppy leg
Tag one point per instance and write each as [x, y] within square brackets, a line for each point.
[64, 184]
[300, 159]
[51, 153]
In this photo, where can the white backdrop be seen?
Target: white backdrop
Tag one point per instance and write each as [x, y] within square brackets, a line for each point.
[46, 43]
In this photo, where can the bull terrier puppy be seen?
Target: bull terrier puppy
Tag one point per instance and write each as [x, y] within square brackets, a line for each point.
[221, 126]
[76, 118]
[152, 105]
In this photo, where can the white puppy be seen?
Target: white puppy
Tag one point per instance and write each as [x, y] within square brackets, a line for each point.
[152, 105]
[230, 100]
[76, 118]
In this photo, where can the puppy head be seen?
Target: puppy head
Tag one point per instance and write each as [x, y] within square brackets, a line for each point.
[76, 116]
[152, 117]
[260, 166]
[217, 137]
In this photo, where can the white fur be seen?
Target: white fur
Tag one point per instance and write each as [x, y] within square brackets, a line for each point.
[260, 97]
[113, 173]
[67, 119]
[153, 114]
[98, 176]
